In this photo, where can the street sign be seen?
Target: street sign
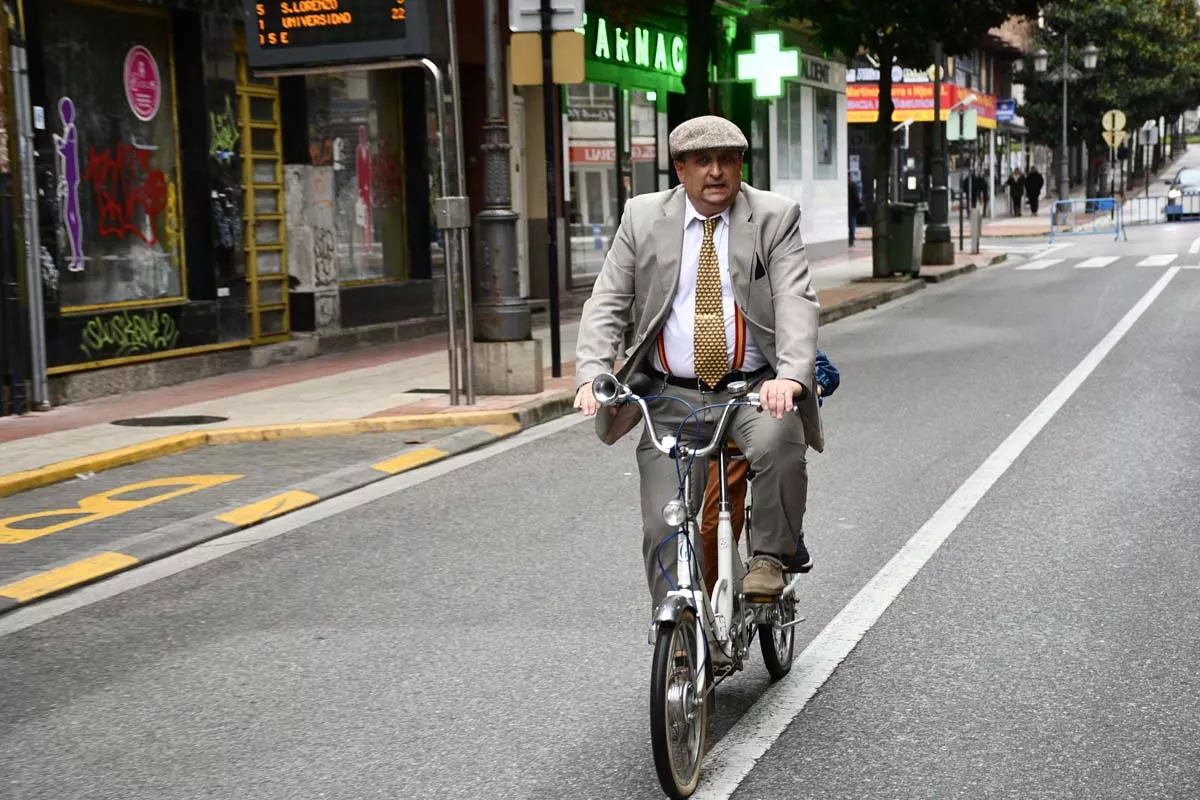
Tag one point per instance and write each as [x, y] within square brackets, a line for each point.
[566, 59]
[1114, 120]
[1148, 134]
[962, 125]
[1115, 139]
[525, 16]
[1006, 110]
[767, 64]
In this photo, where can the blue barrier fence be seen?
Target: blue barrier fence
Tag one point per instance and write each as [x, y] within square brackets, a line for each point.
[1087, 216]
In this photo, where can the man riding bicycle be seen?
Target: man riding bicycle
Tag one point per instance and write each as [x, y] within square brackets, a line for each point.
[714, 278]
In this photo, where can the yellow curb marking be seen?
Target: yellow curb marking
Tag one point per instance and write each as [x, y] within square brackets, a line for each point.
[170, 445]
[107, 504]
[73, 574]
[410, 460]
[502, 430]
[271, 507]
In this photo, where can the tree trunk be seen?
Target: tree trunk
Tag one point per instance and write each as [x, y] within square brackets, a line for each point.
[883, 163]
[699, 57]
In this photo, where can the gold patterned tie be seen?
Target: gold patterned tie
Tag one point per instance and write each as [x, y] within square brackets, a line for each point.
[711, 354]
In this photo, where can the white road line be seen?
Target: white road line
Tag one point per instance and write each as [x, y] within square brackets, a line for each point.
[732, 758]
[1157, 261]
[1054, 248]
[1195, 248]
[23, 618]
[1041, 263]
[1097, 262]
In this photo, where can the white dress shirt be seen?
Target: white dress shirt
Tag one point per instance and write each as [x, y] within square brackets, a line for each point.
[675, 354]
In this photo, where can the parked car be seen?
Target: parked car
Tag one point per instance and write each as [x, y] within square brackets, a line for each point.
[1183, 198]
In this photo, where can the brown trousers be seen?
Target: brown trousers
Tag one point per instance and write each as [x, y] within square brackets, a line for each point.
[735, 472]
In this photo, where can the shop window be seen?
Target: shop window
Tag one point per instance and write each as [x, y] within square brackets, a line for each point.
[825, 134]
[117, 216]
[788, 133]
[354, 125]
[592, 177]
[643, 144]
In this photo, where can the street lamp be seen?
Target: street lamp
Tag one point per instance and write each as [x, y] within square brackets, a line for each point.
[1065, 73]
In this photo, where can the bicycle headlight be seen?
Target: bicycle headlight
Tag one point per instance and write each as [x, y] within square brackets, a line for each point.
[674, 513]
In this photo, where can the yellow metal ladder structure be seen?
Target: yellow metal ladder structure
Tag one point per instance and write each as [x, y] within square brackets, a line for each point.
[263, 203]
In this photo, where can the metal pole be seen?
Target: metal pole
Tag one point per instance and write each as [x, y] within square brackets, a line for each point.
[1064, 174]
[30, 225]
[548, 89]
[502, 313]
[461, 190]
[939, 242]
[451, 311]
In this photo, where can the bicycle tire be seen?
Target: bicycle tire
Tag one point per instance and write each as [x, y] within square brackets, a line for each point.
[778, 644]
[673, 709]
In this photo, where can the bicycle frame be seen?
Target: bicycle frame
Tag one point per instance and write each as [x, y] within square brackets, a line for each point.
[722, 602]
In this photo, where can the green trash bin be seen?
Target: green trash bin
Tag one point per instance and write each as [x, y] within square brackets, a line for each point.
[905, 237]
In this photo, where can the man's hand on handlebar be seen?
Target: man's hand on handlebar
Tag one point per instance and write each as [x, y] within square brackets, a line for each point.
[585, 401]
[779, 396]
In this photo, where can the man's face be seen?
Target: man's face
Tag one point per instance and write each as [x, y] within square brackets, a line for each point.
[712, 178]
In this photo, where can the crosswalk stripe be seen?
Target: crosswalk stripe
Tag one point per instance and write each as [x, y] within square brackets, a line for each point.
[1096, 263]
[1041, 264]
[1158, 261]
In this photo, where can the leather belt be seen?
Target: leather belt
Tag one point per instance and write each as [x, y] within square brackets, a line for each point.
[697, 385]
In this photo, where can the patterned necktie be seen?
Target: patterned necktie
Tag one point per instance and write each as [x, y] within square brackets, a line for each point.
[711, 355]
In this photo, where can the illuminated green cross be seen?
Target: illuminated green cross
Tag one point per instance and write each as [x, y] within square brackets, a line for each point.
[767, 64]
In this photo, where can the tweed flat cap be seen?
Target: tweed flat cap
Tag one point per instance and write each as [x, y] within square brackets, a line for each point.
[706, 133]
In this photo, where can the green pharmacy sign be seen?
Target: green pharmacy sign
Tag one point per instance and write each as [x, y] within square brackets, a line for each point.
[644, 47]
[767, 64]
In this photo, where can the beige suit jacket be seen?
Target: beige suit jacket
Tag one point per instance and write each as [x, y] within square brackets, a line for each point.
[636, 288]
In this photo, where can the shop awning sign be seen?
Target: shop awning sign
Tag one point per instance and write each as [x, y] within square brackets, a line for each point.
[294, 34]
[767, 64]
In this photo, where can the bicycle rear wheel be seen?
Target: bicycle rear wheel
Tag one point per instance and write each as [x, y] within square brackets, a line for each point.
[776, 641]
[678, 715]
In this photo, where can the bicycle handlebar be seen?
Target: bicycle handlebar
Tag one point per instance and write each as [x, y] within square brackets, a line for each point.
[609, 391]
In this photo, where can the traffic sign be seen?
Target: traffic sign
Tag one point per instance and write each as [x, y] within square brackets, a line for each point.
[1115, 139]
[1114, 120]
[525, 16]
[1006, 110]
[962, 125]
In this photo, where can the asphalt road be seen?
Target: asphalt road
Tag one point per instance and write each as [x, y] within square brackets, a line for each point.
[482, 633]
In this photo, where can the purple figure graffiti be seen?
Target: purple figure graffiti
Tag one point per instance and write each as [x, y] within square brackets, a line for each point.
[67, 147]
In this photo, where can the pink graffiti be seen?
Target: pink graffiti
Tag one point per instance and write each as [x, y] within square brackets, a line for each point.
[122, 182]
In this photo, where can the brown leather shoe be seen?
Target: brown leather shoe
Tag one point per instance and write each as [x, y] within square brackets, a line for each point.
[764, 578]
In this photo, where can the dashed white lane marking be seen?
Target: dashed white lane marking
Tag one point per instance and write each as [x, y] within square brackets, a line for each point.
[1041, 263]
[1158, 261]
[1096, 263]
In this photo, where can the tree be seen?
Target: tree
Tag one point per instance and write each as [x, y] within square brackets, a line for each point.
[1148, 67]
[898, 31]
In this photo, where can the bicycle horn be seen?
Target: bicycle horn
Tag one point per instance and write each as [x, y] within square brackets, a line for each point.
[606, 389]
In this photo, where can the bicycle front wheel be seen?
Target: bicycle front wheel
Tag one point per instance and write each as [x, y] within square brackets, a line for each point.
[678, 714]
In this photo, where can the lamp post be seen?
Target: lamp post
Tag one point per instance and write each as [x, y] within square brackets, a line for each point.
[1065, 73]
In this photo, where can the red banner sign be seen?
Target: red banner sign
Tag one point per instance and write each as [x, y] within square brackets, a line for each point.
[915, 101]
[607, 154]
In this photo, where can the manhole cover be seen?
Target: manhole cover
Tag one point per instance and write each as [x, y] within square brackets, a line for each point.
[166, 422]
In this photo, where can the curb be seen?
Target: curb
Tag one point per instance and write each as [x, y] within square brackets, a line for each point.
[867, 302]
[178, 536]
[182, 442]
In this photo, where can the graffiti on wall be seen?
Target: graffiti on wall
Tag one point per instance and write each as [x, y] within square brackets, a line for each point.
[67, 148]
[124, 181]
[223, 133]
[128, 333]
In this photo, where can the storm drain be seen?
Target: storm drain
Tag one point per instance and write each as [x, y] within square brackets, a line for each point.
[167, 422]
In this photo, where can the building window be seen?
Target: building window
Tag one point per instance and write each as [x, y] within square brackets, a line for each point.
[825, 134]
[788, 134]
[117, 216]
[354, 126]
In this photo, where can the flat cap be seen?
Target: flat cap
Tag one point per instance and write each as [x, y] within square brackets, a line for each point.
[706, 133]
